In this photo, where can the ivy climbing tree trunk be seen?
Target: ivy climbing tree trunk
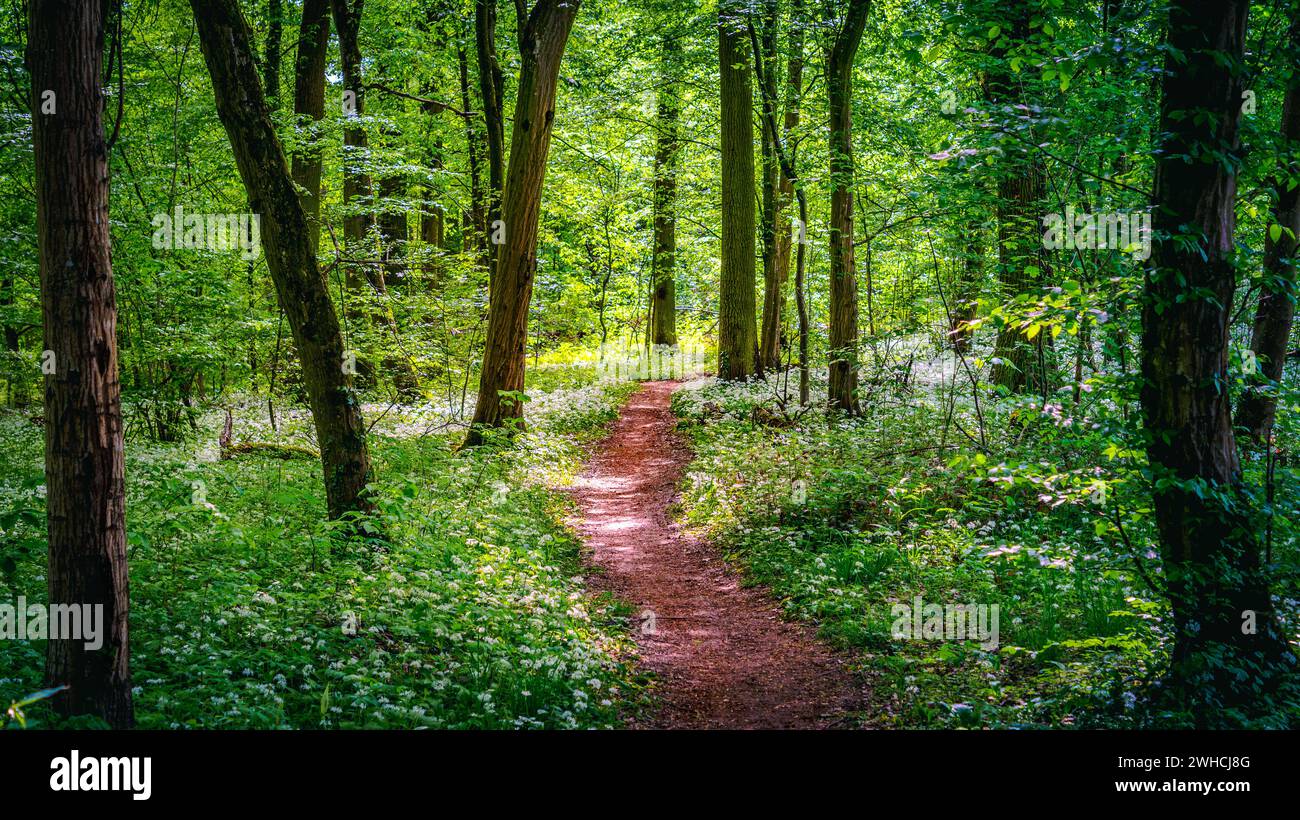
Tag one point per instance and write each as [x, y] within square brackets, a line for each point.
[843, 332]
[541, 46]
[1228, 650]
[84, 472]
[286, 237]
[737, 330]
[1277, 304]
[663, 263]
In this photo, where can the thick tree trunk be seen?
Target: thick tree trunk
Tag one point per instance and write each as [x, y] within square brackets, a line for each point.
[737, 330]
[843, 333]
[541, 47]
[1228, 646]
[663, 263]
[84, 473]
[286, 238]
[1021, 204]
[1277, 304]
[309, 108]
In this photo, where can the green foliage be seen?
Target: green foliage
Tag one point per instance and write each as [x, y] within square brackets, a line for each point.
[250, 611]
[843, 518]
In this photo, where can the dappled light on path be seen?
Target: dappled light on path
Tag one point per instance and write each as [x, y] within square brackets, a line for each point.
[722, 655]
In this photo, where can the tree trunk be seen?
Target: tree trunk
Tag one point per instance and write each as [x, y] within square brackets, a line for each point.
[1277, 304]
[541, 47]
[965, 302]
[737, 330]
[474, 149]
[769, 341]
[663, 263]
[491, 89]
[300, 284]
[785, 188]
[1210, 547]
[357, 187]
[1021, 204]
[271, 67]
[843, 333]
[309, 108]
[356, 182]
[84, 473]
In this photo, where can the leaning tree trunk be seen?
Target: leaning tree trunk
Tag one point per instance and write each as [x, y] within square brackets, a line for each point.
[737, 330]
[541, 48]
[1228, 648]
[309, 108]
[299, 282]
[1277, 305]
[843, 333]
[84, 473]
[663, 262]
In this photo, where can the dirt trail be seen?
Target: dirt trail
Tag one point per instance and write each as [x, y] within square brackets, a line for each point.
[722, 654]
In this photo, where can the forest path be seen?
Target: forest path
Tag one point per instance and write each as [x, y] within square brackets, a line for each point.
[722, 655]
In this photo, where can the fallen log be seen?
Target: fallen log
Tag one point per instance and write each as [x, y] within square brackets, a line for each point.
[272, 450]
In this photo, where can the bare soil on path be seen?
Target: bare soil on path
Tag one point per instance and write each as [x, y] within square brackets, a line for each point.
[721, 654]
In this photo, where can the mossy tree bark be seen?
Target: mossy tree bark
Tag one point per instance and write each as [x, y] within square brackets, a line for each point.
[737, 330]
[843, 332]
[663, 262]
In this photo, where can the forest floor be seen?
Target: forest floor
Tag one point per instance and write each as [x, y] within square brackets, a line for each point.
[721, 654]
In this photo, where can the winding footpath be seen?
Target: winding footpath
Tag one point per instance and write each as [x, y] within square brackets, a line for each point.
[721, 655]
